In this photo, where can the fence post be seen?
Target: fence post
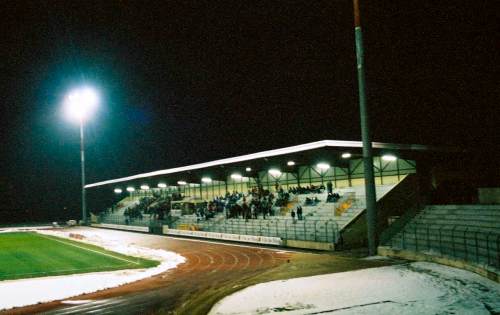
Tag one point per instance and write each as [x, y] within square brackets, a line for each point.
[416, 239]
[305, 232]
[326, 231]
[428, 241]
[453, 241]
[440, 243]
[476, 246]
[403, 239]
[260, 227]
[315, 231]
[286, 229]
[498, 252]
[488, 246]
[276, 228]
[465, 243]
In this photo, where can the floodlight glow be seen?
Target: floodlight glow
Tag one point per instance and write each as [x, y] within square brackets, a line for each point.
[162, 185]
[236, 176]
[130, 189]
[144, 187]
[181, 182]
[389, 158]
[80, 103]
[248, 169]
[206, 180]
[118, 191]
[274, 172]
[346, 155]
[323, 166]
[290, 163]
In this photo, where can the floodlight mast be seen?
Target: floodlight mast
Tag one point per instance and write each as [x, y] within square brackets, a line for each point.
[79, 105]
[371, 210]
[82, 162]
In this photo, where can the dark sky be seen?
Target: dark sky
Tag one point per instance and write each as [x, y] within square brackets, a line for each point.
[191, 81]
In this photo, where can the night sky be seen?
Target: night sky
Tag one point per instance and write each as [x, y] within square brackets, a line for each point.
[190, 81]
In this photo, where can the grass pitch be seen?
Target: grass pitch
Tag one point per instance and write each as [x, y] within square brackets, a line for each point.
[28, 255]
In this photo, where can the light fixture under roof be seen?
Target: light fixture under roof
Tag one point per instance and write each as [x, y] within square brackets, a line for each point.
[274, 172]
[130, 189]
[206, 180]
[236, 176]
[145, 187]
[389, 158]
[162, 185]
[290, 163]
[248, 169]
[181, 182]
[323, 166]
[118, 191]
[346, 155]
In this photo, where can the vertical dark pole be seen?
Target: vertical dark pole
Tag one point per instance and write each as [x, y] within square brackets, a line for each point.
[371, 211]
[82, 163]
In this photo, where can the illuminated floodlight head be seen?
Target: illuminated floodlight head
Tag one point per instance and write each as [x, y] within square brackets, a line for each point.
[206, 180]
[162, 185]
[81, 103]
[346, 155]
[323, 166]
[118, 191]
[274, 172]
[248, 169]
[130, 189]
[290, 163]
[236, 176]
[389, 158]
[144, 187]
[182, 183]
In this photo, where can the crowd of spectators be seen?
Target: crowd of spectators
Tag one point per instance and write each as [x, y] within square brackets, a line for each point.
[312, 189]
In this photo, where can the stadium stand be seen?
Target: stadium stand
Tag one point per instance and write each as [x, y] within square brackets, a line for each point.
[469, 233]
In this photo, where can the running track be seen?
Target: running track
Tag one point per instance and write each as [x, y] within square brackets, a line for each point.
[207, 264]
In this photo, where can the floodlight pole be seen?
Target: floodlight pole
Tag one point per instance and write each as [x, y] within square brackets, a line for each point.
[371, 210]
[82, 162]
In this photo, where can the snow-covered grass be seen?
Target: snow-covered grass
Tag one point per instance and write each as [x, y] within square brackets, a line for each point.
[415, 288]
[25, 292]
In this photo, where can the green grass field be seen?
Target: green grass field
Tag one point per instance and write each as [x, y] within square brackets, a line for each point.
[28, 255]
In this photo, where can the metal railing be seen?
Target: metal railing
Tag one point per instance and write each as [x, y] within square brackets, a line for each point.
[455, 241]
[286, 229]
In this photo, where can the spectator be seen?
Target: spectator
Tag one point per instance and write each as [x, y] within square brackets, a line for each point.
[299, 212]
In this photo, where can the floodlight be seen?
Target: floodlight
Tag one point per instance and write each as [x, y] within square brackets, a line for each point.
[181, 182]
[118, 191]
[346, 155]
[206, 180]
[389, 158]
[162, 185]
[80, 103]
[130, 189]
[290, 163]
[323, 166]
[274, 172]
[248, 169]
[236, 176]
[144, 187]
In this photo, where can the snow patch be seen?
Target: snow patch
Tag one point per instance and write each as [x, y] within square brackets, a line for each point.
[26, 292]
[416, 288]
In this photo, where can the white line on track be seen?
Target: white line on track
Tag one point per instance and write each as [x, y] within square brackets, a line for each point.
[88, 249]
[48, 273]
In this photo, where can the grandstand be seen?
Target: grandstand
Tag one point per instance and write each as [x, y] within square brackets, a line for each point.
[255, 194]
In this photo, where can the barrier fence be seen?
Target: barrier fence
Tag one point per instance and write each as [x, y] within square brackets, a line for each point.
[325, 231]
[460, 242]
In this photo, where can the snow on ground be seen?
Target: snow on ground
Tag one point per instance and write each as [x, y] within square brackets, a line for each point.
[414, 288]
[16, 293]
